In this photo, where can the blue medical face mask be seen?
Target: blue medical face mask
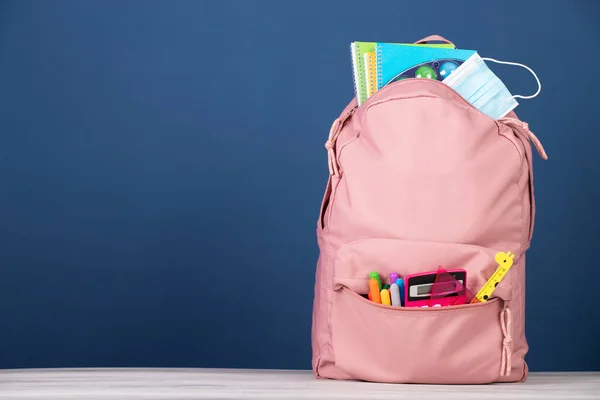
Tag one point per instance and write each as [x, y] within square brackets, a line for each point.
[474, 81]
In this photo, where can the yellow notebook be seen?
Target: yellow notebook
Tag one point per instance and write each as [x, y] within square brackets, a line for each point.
[371, 72]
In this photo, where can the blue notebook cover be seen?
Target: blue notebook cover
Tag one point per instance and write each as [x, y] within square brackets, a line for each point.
[401, 62]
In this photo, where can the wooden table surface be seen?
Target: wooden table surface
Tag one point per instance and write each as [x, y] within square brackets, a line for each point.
[175, 384]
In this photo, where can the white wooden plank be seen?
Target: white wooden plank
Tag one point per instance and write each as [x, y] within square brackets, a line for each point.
[175, 384]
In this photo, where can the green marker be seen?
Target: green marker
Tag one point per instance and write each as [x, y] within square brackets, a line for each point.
[386, 286]
[375, 275]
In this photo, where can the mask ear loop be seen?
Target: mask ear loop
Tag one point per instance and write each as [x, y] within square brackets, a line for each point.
[528, 69]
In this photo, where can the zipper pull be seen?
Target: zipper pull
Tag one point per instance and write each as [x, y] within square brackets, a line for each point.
[523, 127]
[506, 324]
[334, 132]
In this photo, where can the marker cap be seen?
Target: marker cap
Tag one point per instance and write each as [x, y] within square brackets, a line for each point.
[375, 275]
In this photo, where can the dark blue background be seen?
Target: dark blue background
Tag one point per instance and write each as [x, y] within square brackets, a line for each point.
[162, 164]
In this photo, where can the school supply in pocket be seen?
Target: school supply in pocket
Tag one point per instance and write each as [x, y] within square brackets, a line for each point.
[358, 51]
[385, 297]
[410, 189]
[395, 293]
[438, 288]
[375, 275]
[449, 289]
[420, 288]
[505, 261]
[430, 289]
[374, 291]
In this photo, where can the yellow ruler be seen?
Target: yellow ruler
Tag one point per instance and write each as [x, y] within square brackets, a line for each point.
[505, 261]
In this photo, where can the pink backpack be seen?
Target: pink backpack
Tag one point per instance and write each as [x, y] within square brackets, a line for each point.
[421, 178]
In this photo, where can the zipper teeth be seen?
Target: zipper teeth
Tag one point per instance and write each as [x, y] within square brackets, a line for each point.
[373, 99]
[419, 309]
[529, 163]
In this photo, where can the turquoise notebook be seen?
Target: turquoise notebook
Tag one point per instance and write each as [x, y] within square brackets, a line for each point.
[393, 61]
[359, 49]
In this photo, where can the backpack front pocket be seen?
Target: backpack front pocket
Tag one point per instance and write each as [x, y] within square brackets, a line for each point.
[355, 260]
[453, 345]
[448, 345]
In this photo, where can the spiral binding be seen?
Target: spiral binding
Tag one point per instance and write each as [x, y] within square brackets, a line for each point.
[357, 73]
[370, 66]
[354, 66]
[379, 77]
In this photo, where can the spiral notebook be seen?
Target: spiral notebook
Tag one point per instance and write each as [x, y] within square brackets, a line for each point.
[358, 50]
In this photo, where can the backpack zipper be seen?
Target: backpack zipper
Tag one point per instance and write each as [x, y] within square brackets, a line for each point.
[334, 132]
[338, 124]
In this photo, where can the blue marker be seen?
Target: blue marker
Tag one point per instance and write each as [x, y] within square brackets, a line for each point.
[400, 284]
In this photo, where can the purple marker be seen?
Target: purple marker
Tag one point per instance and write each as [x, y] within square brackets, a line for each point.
[393, 277]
